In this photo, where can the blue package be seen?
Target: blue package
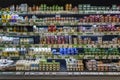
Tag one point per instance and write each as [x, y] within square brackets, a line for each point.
[72, 51]
[61, 51]
[65, 51]
[68, 51]
[54, 51]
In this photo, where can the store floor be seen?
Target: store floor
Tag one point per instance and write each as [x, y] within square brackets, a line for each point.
[59, 77]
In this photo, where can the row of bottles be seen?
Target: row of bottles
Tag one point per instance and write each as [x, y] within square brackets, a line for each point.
[16, 40]
[66, 51]
[90, 19]
[39, 51]
[13, 52]
[100, 18]
[67, 7]
[17, 29]
[60, 39]
[57, 19]
[79, 40]
[83, 29]
[101, 51]
[42, 7]
[64, 29]
[26, 41]
[88, 7]
[49, 52]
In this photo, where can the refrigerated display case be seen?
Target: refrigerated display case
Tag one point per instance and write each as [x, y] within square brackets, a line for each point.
[59, 40]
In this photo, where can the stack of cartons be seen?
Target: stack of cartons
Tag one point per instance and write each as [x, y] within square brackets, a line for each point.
[91, 65]
[49, 66]
[74, 65]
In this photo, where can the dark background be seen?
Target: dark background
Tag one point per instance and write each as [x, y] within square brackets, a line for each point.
[5, 3]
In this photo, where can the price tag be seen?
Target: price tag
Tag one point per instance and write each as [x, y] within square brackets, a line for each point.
[57, 15]
[62, 73]
[33, 73]
[82, 73]
[69, 73]
[9, 73]
[109, 73]
[27, 73]
[76, 73]
[24, 33]
[53, 73]
[47, 73]
[41, 73]
[96, 57]
[19, 73]
[100, 73]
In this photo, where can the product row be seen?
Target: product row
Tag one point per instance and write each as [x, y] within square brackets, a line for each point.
[59, 19]
[105, 41]
[62, 29]
[68, 7]
[83, 29]
[59, 65]
[52, 52]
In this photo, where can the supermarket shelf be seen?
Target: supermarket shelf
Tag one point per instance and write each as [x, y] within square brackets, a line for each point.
[99, 12]
[58, 24]
[71, 77]
[62, 73]
[66, 24]
[78, 14]
[91, 57]
[60, 33]
[79, 57]
[64, 12]
[57, 45]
